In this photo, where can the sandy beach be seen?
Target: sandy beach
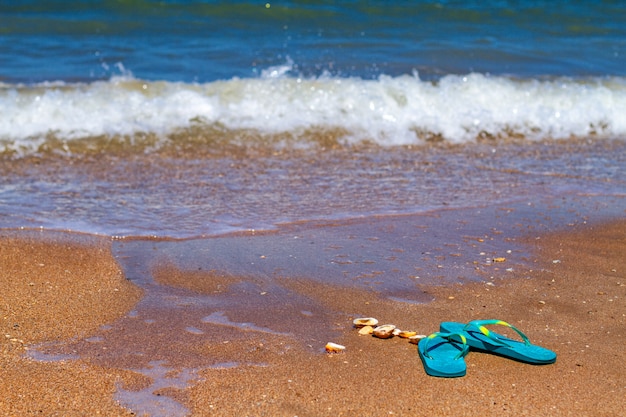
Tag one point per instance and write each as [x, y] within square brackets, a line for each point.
[55, 291]
[570, 300]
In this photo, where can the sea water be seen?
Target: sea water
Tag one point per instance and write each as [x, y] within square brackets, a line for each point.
[225, 116]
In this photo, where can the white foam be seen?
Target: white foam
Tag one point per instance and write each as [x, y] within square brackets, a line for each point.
[389, 111]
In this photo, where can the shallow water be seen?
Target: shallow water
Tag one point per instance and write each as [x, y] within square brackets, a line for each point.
[183, 197]
[146, 402]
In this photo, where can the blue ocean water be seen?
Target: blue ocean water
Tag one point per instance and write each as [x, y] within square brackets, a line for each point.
[203, 41]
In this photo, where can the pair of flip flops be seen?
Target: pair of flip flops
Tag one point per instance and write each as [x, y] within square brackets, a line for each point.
[443, 352]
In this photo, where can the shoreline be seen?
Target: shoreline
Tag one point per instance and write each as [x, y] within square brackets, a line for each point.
[239, 192]
[276, 363]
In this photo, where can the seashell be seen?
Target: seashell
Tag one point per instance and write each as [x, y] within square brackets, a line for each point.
[334, 347]
[366, 330]
[416, 338]
[365, 321]
[406, 334]
[396, 331]
[385, 331]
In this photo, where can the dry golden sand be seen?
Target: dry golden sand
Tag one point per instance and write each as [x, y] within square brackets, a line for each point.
[573, 303]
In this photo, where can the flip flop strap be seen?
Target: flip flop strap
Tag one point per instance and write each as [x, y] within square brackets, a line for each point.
[448, 336]
[480, 325]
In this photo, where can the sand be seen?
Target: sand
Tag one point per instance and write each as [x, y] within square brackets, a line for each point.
[57, 290]
[571, 300]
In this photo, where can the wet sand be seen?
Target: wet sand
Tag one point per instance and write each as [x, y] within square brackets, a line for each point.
[568, 297]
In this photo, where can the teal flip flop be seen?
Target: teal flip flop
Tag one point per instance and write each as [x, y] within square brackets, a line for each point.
[443, 354]
[481, 338]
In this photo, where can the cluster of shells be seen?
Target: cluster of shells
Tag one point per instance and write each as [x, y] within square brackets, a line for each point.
[370, 326]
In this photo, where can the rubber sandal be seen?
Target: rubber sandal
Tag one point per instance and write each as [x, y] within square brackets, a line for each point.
[443, 354]
[481, 338]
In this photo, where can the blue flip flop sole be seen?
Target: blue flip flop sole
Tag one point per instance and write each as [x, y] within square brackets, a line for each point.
[442, 357]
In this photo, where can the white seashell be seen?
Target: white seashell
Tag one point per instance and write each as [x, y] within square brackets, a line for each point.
[385, 331]
[365, 321]
[366, 330]
[396, 331]
[406, 334]
[416, 338]
[334, 347]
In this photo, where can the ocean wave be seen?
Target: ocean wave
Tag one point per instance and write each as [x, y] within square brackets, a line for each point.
[386, 111]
